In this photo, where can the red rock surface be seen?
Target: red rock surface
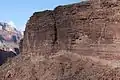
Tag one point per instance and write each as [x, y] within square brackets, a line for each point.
[73, 42]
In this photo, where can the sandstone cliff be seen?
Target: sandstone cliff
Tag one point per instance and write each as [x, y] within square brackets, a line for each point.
[67, 26]
[73, 42]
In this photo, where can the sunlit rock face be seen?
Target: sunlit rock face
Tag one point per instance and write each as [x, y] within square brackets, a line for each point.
[77, 25]
[8, 31]
[10, 36]
[73, 42]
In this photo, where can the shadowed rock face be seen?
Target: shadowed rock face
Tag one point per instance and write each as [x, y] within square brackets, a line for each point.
[85, 23]
[4, 55]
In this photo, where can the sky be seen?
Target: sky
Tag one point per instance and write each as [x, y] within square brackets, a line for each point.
[17, 12]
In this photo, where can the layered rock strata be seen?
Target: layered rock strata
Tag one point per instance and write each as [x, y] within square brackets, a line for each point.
[82, 25]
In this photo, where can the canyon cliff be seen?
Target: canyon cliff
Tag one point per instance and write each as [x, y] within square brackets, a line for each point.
[77, 25]
[79, 41]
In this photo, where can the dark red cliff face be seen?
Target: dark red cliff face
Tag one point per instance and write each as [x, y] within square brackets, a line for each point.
[82, 23]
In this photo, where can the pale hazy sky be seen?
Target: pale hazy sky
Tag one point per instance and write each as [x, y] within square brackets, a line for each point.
[17, 12]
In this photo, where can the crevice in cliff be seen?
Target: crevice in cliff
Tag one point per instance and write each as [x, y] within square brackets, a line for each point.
[55, 38]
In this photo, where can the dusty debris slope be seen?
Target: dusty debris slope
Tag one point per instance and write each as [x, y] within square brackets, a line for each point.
[73, 42]
[67, 66]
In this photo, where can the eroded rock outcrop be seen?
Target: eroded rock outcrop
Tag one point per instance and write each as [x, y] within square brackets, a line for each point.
[81, 42]
[78, 24]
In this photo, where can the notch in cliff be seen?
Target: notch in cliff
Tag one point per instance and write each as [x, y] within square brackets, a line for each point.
[55, 30]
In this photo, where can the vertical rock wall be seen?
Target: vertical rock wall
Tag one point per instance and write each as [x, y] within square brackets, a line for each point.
[73, 26]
